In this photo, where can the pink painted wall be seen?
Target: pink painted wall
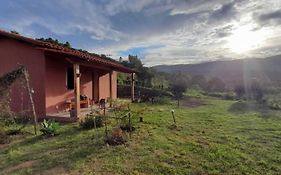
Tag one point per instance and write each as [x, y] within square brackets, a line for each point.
[114, 85]
[86, 82]
[56, 90]
[48, 78]
[104, 92]
[13, 53]
[104, 86]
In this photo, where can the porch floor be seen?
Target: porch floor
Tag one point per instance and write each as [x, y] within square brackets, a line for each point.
[65, 116]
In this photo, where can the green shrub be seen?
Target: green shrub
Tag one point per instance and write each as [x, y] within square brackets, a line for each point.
[125, 91]
[90, 122]
[116, 138]
[49, 127]
[163, 100]
[229, 96]
[274, 104]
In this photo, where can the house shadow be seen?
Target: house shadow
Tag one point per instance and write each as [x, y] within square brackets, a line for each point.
[60, 152]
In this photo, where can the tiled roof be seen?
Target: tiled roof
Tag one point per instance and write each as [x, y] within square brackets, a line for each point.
[91, 58]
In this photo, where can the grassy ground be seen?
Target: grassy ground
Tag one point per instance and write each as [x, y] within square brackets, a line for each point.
[218, 137]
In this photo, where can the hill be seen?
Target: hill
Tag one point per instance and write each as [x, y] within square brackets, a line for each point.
[234, 72]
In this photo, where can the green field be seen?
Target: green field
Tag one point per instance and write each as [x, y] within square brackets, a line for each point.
[212, 137]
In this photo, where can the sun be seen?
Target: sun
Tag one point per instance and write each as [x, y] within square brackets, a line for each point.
[244, 39]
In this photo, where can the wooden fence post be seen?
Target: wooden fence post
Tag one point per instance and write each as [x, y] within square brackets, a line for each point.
[26, 75]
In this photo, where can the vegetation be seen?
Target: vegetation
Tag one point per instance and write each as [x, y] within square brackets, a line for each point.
[178, 87]
[90, 122]
[49, 128]
[55, 41]
[146, 77]
[222, 137]
[68, 45]
[141, 92]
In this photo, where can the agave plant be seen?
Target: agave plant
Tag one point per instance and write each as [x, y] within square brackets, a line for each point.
[49, 127]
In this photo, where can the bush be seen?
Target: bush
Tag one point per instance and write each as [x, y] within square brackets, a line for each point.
[116, 137]
[90, 122]
[274, 104]
[163, 100]
[7, 118]
[229, 96]
[141, 92]
[49, 127]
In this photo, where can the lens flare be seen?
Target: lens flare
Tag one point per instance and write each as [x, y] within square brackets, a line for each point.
[244, 39]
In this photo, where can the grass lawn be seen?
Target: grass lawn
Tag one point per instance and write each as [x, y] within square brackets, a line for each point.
[218, 137]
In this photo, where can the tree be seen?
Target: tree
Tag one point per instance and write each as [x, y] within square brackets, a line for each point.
[14, 32]
[144, 74]
[178, 85]
[216, 85]
[67, 44]
[256, 91]
[199, 80]
[239, 91]
[135, 62]
[55, 41]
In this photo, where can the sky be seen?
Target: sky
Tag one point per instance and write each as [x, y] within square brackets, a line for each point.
[158, 31]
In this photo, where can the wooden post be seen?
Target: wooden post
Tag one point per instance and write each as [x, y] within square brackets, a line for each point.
[173, 114]
[133, 87]
[31, 100]
[110, 87]
[105, 123]
[77, 89]
[130, 125]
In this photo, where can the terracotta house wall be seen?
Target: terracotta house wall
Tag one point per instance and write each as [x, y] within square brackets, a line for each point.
[13, 53]
[96, 86]
[56, 89]
[48, 78]
[104, 90]
[86, 82]
[104, 86]
[114, 85]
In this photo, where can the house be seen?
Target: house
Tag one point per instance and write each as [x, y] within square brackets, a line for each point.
[58, 75]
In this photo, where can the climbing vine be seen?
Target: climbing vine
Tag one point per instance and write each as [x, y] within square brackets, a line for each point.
[5, 83]
[21, 74]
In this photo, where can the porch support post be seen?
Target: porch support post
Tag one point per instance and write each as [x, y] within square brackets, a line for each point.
[110, 87]
[77, 89]
[133, 87]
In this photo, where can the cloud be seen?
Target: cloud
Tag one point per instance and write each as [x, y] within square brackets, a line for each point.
[121, 6]
[272, 17]
[224, 12]
[160, 31]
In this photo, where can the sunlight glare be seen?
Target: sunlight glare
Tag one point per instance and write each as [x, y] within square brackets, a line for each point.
[244, 39]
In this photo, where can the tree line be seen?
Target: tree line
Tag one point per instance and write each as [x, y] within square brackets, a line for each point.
[179, 82]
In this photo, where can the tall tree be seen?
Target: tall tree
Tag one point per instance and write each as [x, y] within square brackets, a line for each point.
[216, 85]
[178, 85]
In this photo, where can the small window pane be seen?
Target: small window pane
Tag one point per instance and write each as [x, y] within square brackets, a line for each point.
[70, 78]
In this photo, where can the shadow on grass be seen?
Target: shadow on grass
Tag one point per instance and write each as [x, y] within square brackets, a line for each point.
[240, 108]
[247, 107]
[58, 151]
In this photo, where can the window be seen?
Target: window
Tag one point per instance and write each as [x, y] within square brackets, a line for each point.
[70, 78]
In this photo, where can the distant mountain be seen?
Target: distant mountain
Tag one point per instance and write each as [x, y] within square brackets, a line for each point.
[265, 70]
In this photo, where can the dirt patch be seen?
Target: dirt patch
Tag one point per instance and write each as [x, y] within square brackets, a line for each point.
[192, 102]
[4, 139]
[58, 171]
[22, 165]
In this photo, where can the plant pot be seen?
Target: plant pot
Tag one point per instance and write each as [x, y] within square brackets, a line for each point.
[72, 113]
